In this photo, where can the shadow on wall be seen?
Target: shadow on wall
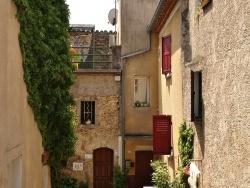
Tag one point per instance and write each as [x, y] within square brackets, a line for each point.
[200, 131]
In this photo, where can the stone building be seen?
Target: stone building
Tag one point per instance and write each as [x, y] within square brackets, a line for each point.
[98, 95]
[20, 140]
[216, 87]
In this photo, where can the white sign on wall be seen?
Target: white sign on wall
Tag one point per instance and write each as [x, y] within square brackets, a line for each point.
[77, 166]
[88, 156]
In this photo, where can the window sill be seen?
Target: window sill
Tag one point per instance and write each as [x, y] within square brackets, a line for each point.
[91, 126]
[141, 106]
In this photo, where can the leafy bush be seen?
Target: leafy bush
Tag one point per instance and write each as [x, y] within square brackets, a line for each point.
[83, 185]
[120, 178]
[160, 176]
[48, 75]
[67, 182]
[185, 147]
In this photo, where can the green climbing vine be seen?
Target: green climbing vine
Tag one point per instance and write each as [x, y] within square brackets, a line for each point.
[48, 74]
[185, 147]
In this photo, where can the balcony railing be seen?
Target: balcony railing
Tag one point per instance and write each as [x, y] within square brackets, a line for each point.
[93, 58]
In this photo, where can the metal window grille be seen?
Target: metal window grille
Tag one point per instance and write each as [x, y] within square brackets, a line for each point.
[87, 112]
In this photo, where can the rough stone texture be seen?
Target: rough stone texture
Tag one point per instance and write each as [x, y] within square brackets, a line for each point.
[106, 92]
[220, 41]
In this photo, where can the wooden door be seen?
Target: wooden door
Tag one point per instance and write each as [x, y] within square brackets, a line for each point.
[143, 170]
[103, 163]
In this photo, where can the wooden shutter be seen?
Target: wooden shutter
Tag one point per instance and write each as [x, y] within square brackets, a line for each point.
[204, 3]
[162, 134]
[166, 54]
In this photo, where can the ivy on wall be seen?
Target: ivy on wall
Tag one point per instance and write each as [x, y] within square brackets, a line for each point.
[185, 147]
[48, 74]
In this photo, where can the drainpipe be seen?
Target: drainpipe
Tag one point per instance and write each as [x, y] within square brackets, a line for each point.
[122, 90]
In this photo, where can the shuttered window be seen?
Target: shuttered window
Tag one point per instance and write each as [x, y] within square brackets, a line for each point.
[162, 134]
[166, 55]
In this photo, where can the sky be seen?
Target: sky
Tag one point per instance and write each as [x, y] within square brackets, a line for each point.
[91, 12]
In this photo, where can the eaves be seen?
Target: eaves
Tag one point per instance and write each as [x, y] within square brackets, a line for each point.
[161, 15]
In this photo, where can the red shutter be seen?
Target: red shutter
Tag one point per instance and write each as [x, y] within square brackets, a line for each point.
[162, 134]
[204, 3]
[166, 54]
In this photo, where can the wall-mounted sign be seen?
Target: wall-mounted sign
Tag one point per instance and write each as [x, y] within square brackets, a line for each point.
[88, 156]
[77, 166]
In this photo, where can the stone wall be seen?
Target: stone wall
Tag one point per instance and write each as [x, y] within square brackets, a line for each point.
[220, 44]
[106, 92]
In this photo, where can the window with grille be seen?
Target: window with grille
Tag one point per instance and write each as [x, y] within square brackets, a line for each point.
[141, 92]
[88, 112]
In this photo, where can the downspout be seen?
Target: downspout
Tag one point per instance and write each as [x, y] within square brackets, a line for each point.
[122, 90]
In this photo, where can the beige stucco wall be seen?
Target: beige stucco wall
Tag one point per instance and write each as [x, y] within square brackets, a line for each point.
[134, 19]
[220, 49]
[19, 135]
[138, 121]
[170, 87]
[105, 90]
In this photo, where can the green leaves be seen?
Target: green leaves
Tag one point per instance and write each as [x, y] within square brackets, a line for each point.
[160, 176]
[185, 147]
[185, 143]
[48, 73]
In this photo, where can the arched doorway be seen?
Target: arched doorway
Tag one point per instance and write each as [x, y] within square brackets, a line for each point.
[103, 164]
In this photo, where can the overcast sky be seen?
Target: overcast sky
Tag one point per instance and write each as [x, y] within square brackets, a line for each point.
[91, 12]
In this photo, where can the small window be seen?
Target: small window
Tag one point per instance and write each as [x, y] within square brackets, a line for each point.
[196, 96]
[166, 55]
[88, 112]
[141, 92]
[204, 3]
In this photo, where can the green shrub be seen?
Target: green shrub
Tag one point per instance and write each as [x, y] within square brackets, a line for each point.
[48, 75]
[67, 182]
[160, 176]
[120, 178]
[83, 184]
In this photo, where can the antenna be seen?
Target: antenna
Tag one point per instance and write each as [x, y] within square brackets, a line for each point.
[112, 16]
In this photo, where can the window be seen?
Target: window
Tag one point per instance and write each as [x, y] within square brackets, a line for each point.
[88, 112]
[196, 96]
[166, 55]
[204, 3]
[141, 92]
[162, 135]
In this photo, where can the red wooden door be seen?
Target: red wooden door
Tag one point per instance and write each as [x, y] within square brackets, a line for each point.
[143, 170]
[103, 163]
